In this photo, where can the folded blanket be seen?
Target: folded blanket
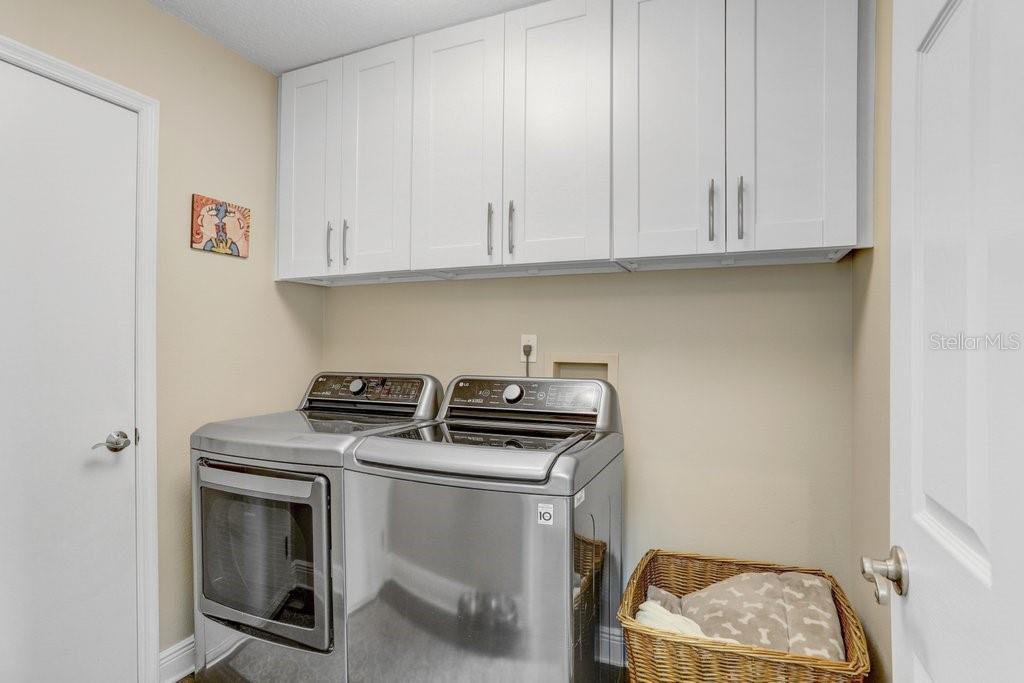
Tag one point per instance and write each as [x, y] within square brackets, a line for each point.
[652, 614]
[791, 612]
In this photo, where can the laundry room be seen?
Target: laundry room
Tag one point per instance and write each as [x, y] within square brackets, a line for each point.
[509, 340]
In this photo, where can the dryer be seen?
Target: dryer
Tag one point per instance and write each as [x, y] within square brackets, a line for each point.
[268, 544]
[486, 545]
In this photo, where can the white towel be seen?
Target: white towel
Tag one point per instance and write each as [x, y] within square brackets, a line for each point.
[652, 614]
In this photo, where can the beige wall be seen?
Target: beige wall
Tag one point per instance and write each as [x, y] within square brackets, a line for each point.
[230, 341]
[735, 387]
[871, 371]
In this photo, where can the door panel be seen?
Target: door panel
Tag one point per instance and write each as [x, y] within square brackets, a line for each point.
[669, 127]
[455, 583]
[956, 338]
[376, 158]
[791, 123]
[68, 578]
[557, 132]
[309, 171]
[457, 133]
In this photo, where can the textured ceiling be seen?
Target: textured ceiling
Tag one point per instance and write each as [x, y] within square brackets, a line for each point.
[280, 35]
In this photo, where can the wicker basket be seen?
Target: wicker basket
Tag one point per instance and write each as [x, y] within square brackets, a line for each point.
[658, 656]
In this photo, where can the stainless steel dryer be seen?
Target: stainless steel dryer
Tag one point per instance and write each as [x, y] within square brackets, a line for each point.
[486, 546]
[267, 527]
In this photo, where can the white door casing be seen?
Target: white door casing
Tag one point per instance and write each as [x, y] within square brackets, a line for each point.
[457, 137]
[376, 159]
[791, 123]
[957, 320]
[557, 132]
[669, 120]
[78, 183]
[309, 172]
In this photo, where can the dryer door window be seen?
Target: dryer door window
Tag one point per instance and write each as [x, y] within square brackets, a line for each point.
[264, 551]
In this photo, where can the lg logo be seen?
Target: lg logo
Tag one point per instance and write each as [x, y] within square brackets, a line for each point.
[545, 514]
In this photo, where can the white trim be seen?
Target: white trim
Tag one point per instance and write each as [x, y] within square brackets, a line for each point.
[611, 647]
[148, 111]
[178, 661]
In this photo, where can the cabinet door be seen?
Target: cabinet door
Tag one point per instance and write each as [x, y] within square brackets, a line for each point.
[376, 164]
[791, 123]
[558, 132]
[456, 180]
[669, 114]
[309, 169]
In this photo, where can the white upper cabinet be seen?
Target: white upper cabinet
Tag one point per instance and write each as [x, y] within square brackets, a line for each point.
[376, 159]
[791, 124]
[457, 139]
[669, 137]
[309, 167]
[557, 179]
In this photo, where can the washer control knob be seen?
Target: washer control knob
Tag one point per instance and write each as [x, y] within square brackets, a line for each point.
[513, 393]
[357, 386]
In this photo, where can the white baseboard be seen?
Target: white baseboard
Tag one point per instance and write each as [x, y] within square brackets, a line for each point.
[612, 647]
[178, 661]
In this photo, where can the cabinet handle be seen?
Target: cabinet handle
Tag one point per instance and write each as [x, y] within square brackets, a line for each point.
[344, 242]
[739, 209]
[511, 234]
[711, 211]
[490, 235]
[330, 229]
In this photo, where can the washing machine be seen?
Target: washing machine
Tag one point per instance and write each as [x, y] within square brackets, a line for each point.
[486, 545]
[268, 543]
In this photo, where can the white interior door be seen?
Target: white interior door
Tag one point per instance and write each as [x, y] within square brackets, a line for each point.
[376, 167]
[456, 159]
[68, 168]
[558, 132]
[957, 321]
[669, 120]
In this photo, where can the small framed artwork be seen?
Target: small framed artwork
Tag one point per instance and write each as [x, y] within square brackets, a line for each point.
[220, 227]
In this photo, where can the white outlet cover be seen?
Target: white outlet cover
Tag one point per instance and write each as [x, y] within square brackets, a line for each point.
[524, 340]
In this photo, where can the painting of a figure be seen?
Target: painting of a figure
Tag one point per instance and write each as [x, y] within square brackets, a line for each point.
[220, 227]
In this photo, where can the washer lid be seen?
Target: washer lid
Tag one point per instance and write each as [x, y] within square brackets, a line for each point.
[481, 451]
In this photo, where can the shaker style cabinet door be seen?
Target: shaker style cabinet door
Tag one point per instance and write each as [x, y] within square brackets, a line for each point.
[557, 132]
[791, 124]
[376, 167]
[309, 167]
[456, 157]
[669, 137]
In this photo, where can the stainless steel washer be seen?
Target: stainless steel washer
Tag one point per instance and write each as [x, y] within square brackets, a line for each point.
[487, 544]
[268, 537]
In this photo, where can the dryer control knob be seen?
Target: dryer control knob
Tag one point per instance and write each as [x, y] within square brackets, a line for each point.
[513, 393]
[357, 387]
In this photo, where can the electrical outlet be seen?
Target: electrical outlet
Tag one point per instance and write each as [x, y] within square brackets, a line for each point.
[530, 339]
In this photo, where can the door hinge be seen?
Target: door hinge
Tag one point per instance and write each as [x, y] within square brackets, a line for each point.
[136, 436]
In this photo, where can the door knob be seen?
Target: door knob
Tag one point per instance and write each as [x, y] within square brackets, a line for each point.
[116, 442]
[893, 571]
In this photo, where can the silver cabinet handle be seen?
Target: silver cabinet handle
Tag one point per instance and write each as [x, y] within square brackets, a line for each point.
[511, 234]
[894, 569]
[711, 211]
[739, 209]
[330, 229]
[344, 243]
[115, 443]
[490, 221]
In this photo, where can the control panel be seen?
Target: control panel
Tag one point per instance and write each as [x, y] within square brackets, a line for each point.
[544, 395]
[330, 387]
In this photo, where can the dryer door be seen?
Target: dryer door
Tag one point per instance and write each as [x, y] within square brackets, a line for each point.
[264, 552]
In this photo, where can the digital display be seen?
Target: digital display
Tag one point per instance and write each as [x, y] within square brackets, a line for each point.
[541, 395]
[366, 388]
